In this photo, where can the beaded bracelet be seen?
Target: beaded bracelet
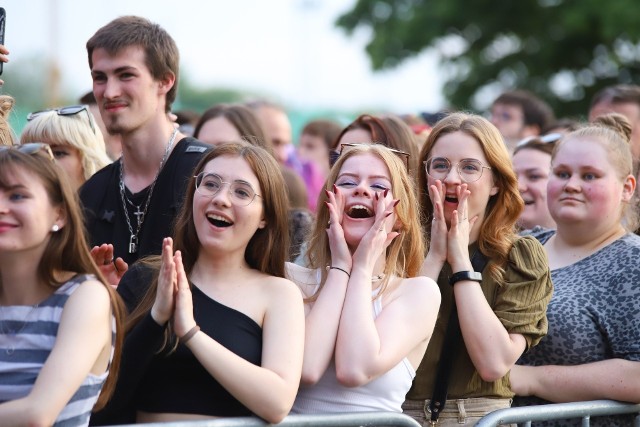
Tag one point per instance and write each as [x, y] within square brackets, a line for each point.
[186, 337]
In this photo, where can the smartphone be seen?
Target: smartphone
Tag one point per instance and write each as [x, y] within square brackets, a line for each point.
[3, 18]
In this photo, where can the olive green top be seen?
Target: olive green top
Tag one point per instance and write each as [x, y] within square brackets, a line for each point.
[520, 304]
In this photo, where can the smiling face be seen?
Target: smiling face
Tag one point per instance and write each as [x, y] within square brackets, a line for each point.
[532, 168]
[455, 147]
[584, 188]
[360, 178]
[221, 224]
[125, 90]
[26, 214]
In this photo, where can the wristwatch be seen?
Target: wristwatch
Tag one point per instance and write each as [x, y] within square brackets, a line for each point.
[465, 275]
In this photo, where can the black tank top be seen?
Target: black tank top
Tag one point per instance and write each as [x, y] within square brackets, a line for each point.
[178, 383]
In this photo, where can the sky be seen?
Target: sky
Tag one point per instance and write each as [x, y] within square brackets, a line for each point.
[289, 50]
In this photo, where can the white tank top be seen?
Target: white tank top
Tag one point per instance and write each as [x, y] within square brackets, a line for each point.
[385, 393]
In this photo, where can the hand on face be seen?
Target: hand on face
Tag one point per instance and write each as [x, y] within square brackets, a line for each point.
[451, 242]
[340, 255]
[381, 234]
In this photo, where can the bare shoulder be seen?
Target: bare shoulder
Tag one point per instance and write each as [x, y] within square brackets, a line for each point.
[305, 278]
[279, 289]
[91, 290]
[417, 290]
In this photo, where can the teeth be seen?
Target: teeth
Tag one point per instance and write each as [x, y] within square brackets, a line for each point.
[366, 209]
[218, 218]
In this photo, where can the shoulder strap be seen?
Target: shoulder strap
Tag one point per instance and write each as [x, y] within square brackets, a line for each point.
[449, 348]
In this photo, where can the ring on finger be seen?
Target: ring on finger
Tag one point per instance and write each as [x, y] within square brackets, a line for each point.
[107, 261]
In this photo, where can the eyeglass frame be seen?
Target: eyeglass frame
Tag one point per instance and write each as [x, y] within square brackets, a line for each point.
[30, 148]
[456, 166]
[204, 174]
[75, 109]
[405, 156]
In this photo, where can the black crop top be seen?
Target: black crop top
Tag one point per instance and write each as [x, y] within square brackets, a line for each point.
[177, 383]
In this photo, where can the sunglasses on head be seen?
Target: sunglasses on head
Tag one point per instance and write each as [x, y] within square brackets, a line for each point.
[31, 148]
[334, 155]
[70, 110]
[544, 139]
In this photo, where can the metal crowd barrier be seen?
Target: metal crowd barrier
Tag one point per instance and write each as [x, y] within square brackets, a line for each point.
[391, 419]
[560, 411]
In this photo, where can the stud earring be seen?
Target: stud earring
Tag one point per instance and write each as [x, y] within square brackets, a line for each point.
[55, 228]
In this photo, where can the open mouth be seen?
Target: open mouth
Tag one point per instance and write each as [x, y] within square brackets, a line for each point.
[450, 198]
[219, 221]
[359, 211]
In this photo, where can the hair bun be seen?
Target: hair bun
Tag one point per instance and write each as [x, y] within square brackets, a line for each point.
[616, 122]
[6, 104]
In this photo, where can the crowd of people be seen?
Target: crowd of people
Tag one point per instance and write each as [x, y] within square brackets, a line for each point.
[158, 267]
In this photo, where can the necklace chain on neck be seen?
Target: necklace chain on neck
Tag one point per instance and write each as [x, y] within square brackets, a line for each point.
[141, 215]
[11, 346]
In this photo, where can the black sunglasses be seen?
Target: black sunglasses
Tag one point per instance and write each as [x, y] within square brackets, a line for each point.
[70, 110]
[30, 148]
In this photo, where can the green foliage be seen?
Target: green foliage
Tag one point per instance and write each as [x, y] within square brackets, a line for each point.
[563, 50]
[199, 99]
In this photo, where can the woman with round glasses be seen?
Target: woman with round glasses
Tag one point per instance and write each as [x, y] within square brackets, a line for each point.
[498, 282]
[220, 332]
[363, 298]
[77, 143]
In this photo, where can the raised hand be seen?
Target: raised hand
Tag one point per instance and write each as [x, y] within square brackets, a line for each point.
[340, 255]
[439, 231]
[458, 235]
[164, 304]
[112, 269]
[183, 320]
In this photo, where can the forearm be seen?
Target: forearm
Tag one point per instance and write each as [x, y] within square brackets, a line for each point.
[26, 412]
[264, 392]
[491, 348]
[321, 327]
[431, 266]
[615, 379]
[358, 345]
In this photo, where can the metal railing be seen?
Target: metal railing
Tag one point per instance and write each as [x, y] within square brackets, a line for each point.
[391, 419]
[560, 411]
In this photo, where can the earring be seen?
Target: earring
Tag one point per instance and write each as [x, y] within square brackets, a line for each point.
[55, 228]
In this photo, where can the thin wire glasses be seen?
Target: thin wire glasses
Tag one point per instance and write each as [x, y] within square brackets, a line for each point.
[70, 110]
[402, 154]
[470, 170]
[240, 192]
[30, 148]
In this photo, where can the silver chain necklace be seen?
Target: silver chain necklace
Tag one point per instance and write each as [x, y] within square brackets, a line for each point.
[141, 214]
[13, 332]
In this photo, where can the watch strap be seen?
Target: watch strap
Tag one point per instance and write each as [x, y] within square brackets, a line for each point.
[465, 275]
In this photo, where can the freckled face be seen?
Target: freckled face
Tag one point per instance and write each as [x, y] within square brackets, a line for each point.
[583, 186]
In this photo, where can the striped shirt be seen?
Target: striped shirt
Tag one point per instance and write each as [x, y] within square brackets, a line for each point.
[27, 336]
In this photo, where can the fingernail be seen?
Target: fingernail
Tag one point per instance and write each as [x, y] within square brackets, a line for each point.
[326, 192]
[335, 188]
[388, 213]
[396, 203]
[386, 192]
[377, 196]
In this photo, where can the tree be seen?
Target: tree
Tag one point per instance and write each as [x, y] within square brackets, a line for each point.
[562, 50]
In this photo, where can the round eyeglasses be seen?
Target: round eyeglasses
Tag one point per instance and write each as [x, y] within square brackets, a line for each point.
[240, 192]
[470, 170]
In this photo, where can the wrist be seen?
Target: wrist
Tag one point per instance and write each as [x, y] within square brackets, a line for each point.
[189, 334]
[158, 318]
[465, 275]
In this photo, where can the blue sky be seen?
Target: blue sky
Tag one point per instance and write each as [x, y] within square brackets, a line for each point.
[289, 49]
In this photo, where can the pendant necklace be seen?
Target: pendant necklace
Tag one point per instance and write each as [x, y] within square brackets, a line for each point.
[140, 214]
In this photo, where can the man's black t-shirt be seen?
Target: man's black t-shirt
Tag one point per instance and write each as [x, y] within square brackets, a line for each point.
[105, 215]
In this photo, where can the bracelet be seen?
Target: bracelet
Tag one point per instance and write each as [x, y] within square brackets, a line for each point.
[341, 269]
[186, 337]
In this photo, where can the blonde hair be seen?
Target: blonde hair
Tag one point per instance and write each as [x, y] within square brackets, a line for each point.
[72, 130]
[7, 137]
[613, 132]
[497, 232]
[405, 253]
